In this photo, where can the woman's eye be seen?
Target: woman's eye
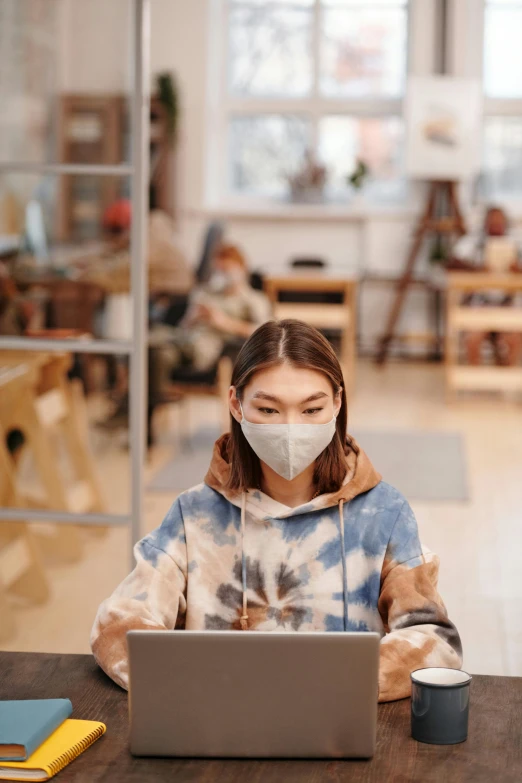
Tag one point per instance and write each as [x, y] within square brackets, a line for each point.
[311, 411]
[267, 410]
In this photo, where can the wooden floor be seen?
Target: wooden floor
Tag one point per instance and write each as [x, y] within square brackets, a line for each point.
[479, 542]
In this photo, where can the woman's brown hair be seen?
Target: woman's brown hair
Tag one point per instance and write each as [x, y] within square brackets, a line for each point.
[300, 345]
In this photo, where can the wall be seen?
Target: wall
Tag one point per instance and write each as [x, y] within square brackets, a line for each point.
[95, 46]
[182, 35]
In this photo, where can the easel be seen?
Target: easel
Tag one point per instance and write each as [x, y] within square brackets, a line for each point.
[449, 222]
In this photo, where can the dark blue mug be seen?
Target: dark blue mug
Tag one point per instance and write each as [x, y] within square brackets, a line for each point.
[440, 705]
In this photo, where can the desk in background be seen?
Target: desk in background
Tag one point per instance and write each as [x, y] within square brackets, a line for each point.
[321, 315]
[468, 318]
[493, 751]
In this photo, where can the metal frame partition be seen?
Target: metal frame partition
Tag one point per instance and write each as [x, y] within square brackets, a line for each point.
[136, 347]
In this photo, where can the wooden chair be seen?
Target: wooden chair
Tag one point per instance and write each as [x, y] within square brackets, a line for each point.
[325, 316]
[186, 383]
[72, 307]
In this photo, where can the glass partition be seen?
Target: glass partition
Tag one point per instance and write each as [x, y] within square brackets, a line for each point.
[74, 139]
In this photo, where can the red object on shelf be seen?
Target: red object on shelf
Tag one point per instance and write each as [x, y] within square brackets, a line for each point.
[117, 216]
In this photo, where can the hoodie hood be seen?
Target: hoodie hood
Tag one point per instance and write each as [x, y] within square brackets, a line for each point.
[360, 477]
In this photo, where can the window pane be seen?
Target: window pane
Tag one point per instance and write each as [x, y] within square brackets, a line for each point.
[378, 141]
[264, 150]
[503, 156]
[363, 50]
[270, 50]
[502, 51]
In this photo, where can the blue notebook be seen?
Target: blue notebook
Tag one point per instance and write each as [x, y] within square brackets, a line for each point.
[25, 725]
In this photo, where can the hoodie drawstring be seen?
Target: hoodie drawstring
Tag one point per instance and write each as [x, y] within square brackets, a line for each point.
[343, 560]
[244, 616]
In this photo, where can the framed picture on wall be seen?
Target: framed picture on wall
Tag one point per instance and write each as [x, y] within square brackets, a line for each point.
[443, 122]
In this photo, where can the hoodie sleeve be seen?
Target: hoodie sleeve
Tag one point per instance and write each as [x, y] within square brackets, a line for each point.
[418, 631]
[152, 597]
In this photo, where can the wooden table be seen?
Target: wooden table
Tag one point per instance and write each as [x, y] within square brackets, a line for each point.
[461, 318]
[321, 315]
[493, 751]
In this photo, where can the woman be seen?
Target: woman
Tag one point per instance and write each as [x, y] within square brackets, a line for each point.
[292, 530]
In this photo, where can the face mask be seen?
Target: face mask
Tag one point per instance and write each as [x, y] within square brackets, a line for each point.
[220, 281]
[288, 448]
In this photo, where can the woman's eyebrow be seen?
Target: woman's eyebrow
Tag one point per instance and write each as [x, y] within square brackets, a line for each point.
[261, 395]
[317, 396]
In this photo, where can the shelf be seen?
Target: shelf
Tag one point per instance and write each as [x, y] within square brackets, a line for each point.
[284, 211]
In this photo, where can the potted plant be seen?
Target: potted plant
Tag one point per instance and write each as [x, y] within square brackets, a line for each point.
[358, 177]
[167, 94]
[307, 184]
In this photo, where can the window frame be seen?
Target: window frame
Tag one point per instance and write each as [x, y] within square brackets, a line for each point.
[222, 106]
[497, 107]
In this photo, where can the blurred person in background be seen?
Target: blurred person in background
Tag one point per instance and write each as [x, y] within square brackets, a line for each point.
[225, 308]
[470, 253]
[293, 529]
[168, 274]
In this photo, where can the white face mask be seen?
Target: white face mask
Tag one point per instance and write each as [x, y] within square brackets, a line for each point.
[217, 282]
[220, 281]
[288, 448]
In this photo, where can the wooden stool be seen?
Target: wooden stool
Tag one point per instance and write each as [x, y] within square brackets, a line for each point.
[38, 400]
[21, 571]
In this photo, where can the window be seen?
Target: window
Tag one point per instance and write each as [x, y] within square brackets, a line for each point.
[319, 76]
[503, 99]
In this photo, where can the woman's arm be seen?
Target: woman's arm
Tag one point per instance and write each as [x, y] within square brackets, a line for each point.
[152, 597]
[418, 631]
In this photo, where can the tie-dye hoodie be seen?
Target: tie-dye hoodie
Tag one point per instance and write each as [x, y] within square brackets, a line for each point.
[349, 560]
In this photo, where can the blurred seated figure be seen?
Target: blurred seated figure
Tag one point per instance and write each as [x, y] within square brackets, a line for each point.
[491, 249]
[167, 267]
[224, 308]
[168, 272]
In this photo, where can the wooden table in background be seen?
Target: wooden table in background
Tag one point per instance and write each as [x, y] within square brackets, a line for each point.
[461, 318]
[493, 751]
[322, 314]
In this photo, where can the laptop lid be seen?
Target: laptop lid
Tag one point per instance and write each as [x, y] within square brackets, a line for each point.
[235, 694]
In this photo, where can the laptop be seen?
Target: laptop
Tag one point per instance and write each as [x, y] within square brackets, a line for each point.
[251, 695]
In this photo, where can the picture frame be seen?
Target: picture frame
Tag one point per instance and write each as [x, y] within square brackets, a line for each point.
[443, 128]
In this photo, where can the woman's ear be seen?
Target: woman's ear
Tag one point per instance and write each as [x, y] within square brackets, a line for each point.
[338, 400]
[233, 404]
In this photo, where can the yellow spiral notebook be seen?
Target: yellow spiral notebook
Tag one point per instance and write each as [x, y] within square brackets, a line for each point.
[62, 747]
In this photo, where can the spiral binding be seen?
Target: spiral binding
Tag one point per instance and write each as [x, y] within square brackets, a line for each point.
[76, 750]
